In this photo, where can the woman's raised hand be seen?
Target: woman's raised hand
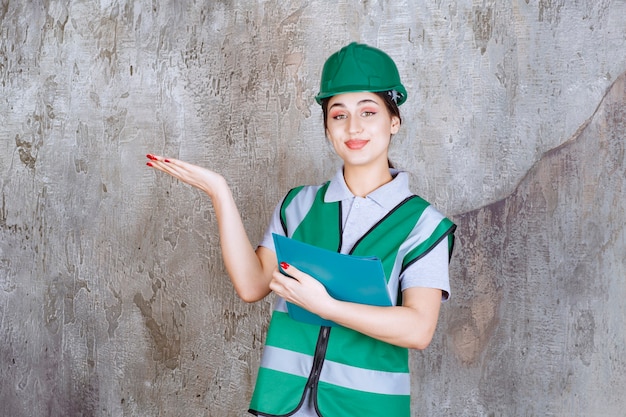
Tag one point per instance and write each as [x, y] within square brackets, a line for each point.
[194, 175]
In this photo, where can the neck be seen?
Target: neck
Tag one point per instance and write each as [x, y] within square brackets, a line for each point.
[363, 180]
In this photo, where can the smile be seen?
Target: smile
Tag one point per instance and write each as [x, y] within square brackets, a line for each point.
[356, 144]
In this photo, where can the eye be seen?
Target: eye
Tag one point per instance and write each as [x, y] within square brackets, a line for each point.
[368, 111]
[338, 116]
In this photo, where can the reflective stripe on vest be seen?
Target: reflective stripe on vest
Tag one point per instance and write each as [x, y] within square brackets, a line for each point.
[377, 382]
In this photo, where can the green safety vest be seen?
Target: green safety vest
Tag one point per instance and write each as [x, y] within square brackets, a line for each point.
[348, 372]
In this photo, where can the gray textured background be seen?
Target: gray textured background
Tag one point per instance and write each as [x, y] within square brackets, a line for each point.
[113, 297]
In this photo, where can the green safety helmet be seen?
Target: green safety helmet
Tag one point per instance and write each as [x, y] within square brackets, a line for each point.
[358, 67]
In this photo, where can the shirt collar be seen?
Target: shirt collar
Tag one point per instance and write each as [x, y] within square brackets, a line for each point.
[388, 195]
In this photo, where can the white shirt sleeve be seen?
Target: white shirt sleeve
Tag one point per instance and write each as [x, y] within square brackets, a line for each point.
[430, 271]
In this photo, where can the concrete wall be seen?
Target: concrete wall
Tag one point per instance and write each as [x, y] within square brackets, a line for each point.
[113, 298]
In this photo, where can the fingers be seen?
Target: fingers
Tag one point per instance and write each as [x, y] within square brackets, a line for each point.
[170, 166]
[278, 283]
[156, 161]
[282, 280]
[204, 179]
[291, 271]
[156, 158]
[299, 288]
[292, 277]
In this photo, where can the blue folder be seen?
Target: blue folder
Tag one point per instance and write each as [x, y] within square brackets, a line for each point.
[356, 279]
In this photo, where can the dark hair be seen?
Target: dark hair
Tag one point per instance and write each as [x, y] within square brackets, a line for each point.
[386, 96]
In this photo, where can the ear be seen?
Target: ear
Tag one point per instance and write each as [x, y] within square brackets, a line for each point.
[395, 125]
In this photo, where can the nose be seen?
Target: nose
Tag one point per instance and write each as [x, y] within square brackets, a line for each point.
[355, 125]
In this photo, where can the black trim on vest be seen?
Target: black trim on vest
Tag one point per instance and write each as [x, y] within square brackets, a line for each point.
[393, 210]
[282, 207]
[340, 220]
[426, 252]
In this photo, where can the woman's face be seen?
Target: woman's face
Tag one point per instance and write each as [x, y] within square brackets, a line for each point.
[360, 127]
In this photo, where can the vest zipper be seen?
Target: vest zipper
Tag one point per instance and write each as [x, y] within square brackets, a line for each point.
[318, 360]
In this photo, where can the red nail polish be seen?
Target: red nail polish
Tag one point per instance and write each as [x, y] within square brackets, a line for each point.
[150, 156]
[284, 265]
[149, 164]
[166, 160]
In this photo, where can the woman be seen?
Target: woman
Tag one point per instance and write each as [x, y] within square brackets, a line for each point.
[359, 367]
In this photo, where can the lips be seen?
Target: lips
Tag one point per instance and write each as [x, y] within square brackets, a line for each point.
[356, 144]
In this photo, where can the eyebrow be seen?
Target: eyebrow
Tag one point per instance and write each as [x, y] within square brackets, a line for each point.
[364, 101]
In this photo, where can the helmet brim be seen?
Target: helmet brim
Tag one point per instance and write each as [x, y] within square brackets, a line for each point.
[402, 95]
